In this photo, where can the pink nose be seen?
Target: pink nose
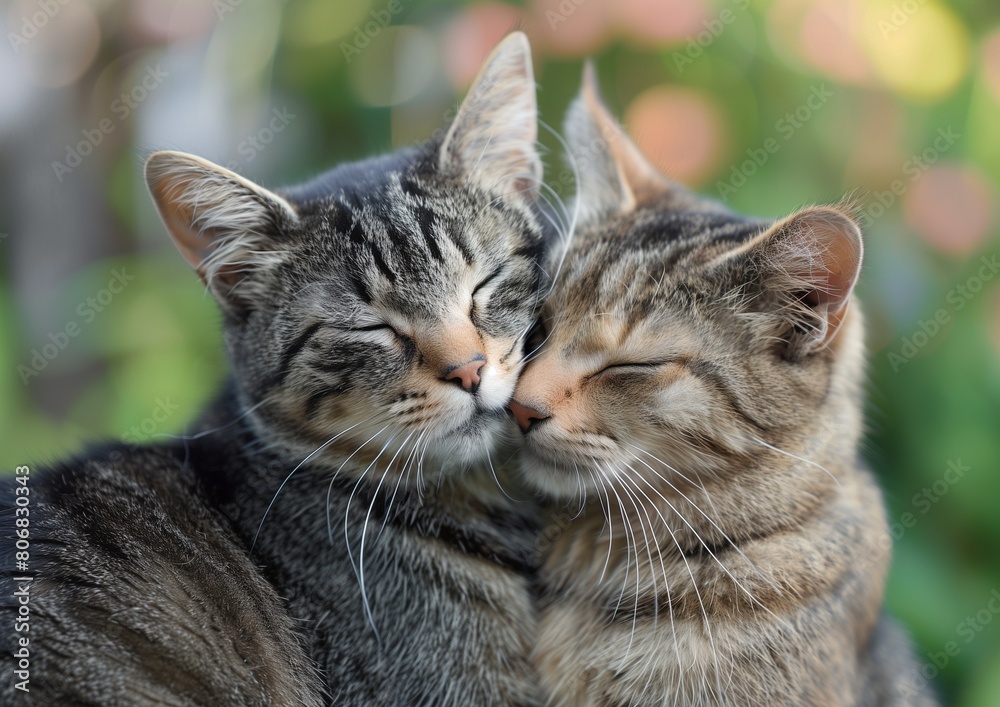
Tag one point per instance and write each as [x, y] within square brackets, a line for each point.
[525, 416]
[466, 375]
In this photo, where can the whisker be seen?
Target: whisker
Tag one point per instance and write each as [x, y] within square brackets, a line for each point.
[297, 467]
[698, 536]
[697, 508]
[638, 591]
[329, 488]
[576, 204]
[701, 603]
[801, 459]
[494, 472]
[608, 523]
[205, 433]
[406, 467]
[364, 529]
[628, 556]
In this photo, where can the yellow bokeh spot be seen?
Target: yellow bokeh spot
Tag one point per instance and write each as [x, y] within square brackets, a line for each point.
[918, 48]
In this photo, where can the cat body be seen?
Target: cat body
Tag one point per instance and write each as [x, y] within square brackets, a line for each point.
[696, 410]
[340, 490]
[142, 594]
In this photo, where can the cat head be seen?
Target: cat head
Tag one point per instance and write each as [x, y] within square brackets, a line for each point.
[381, 308]
[681, 337]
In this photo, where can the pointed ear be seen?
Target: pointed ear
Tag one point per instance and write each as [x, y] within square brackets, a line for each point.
[492, 138]
[612, 174]
[807, 265]
[224, 225]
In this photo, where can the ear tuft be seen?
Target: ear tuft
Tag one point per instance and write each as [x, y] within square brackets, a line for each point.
[590, 132]
[809, 264]
[492, 139]
[612, 173]
[223, 225]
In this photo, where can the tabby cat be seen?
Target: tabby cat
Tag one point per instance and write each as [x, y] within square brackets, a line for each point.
[375, 321]
[696, 407]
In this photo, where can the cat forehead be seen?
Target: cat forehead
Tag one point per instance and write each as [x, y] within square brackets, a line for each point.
[412, 243]
[640, 277]
[669, 233]
[406, 206]
[629, 258]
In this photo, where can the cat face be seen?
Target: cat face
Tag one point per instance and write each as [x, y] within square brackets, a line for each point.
[377, 313]
[681, 337]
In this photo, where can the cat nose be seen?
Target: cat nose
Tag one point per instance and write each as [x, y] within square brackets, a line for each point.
[466, 375]
[527, 417]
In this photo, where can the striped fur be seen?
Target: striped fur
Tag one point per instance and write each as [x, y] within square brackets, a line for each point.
[346, 458]
[715, 538]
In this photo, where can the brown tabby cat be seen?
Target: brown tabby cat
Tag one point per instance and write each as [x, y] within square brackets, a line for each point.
[699, 394]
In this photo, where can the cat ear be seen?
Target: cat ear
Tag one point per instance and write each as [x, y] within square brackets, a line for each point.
[612, 174]
[222, 224]
[809, 264]
[492, 138]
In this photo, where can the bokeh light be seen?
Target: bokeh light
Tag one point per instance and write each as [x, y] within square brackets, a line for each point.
[59, 47]
[570, 27]
[952, 208]
[991, 63]
[876, 152]
[824, 34]
[472, 35]
[680, 130]
[922, 53]
[655, 22]
[181, 20]
[395, 67]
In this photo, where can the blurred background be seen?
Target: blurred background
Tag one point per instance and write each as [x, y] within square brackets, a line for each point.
[767, 104]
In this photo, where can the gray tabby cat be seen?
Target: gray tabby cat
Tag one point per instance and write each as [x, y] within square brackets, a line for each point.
[333, 532]
[700, 394]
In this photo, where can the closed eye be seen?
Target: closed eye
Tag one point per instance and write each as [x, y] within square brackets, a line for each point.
[482, 283]
[487, 280]
[636, 366]
[398, 338]
[373, 327]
